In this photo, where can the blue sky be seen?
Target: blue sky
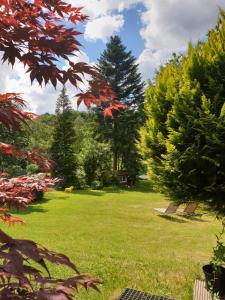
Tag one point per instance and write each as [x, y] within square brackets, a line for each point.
[130, 35]
[151, 29]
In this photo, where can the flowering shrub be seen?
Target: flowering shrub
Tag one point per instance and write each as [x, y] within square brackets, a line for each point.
[21, 191]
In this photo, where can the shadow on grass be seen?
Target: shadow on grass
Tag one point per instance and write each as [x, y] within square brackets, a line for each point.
[194, 218]
[142, 186]
[98, 193]
[30, 209]
[88, 192]
[115, 189]
[172, 219]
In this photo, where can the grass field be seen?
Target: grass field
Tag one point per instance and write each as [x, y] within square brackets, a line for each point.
[115, 236]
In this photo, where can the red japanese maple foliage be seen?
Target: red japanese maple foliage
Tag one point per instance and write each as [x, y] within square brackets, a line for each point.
[39, 34]
[11, 113]
[21, 191]
[18, 279]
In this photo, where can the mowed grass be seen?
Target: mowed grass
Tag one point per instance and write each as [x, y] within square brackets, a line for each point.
[115, 236]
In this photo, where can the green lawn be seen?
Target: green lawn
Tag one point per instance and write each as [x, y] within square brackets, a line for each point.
[115, 235]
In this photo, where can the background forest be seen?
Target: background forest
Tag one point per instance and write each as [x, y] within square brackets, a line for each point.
[88, 147]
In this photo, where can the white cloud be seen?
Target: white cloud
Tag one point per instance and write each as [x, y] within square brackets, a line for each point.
[103, 23]
[169, 25]
[150, 60]
[103, 27]
[39, 99]
[16, 80]
[97, 8]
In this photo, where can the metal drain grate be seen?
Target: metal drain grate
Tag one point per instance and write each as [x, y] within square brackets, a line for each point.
[130, 294]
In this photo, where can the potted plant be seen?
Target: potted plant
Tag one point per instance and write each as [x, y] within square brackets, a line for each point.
[215, 271]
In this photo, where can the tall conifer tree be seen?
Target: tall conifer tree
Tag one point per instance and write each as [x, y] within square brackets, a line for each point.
[118, 67]
[62, 152]
[183, 139]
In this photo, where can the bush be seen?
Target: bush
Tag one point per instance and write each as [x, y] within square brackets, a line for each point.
[82, 184]
[32, 169]
[114, 181]
[96, 185]
[96, 162]
[15, 170]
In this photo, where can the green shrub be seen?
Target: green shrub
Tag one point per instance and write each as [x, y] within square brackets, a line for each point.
[32, 169]
[96, 161]
[96, 185]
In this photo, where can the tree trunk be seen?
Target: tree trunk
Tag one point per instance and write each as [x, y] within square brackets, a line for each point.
[115, 160]
[115, 149]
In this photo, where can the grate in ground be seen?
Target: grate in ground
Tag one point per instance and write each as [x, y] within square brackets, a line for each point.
[130, 294]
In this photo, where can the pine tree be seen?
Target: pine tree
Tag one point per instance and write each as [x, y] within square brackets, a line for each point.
[183, 139]
[63, 138]
[118, 67]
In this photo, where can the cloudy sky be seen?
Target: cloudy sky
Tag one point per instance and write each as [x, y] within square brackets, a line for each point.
[151, 29]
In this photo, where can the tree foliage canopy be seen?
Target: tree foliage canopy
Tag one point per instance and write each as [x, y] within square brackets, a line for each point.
[183, 138]
[62, 152]
[119, 69]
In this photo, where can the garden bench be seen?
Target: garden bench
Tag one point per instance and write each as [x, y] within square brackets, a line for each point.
[130, 294]
[190, 209]
[171, 209]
